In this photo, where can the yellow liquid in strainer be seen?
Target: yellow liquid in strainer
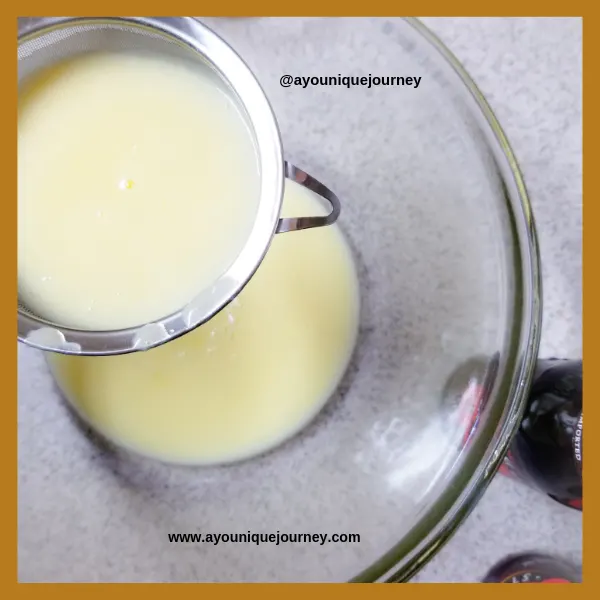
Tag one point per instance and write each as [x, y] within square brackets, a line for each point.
[138, 185]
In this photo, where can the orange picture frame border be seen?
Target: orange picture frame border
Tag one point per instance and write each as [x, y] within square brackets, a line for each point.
[8, 256]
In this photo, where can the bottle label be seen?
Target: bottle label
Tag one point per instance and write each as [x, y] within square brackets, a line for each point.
[470, 408]
[578, 444]
[576, 503]
[532, 577]
[466, 392]
[509, 467]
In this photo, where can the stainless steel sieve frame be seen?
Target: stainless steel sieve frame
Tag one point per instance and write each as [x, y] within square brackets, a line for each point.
[233, 71]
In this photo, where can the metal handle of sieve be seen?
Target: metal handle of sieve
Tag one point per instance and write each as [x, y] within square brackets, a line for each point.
[298, 223]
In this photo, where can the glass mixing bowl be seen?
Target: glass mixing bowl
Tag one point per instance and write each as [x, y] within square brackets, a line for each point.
[438, 217]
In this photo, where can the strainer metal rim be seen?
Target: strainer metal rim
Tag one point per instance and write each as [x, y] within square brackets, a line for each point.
[188, 31]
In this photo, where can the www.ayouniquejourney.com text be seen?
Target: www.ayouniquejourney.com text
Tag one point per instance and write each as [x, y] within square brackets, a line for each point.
[264, 538]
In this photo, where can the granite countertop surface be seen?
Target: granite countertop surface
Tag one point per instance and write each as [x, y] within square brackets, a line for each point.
[530, 71]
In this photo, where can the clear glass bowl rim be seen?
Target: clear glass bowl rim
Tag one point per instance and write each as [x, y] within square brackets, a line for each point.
[484, 456]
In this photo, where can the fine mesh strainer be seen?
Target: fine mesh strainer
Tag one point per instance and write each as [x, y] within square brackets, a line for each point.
[45, 41]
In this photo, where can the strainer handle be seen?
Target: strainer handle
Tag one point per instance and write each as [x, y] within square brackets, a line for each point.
[298, 223]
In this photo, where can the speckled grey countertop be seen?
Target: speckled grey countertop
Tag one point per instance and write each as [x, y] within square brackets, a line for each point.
[530, 71]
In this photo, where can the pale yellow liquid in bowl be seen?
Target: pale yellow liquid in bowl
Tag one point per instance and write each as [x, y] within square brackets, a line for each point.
[246, 380]
[138, 185]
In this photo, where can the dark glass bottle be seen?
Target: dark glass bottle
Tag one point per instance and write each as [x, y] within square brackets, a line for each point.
[532, 568]
[547, 450]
